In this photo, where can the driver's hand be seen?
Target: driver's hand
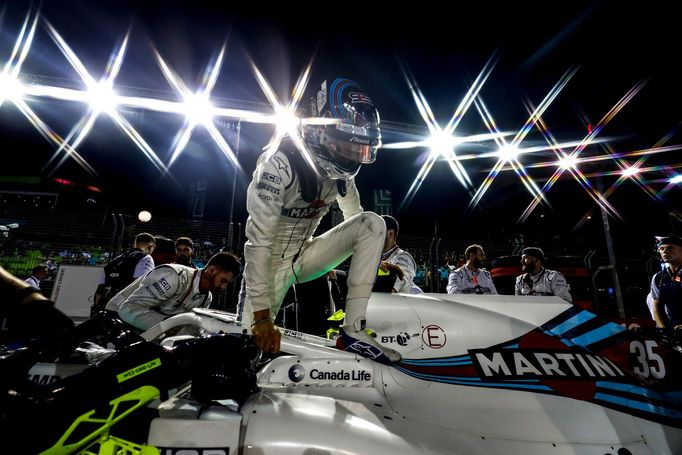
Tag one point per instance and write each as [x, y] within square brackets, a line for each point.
[266, 336]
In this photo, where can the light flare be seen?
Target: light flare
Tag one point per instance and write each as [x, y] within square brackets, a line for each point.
[442, 140]
[286, 120]
[596, 195]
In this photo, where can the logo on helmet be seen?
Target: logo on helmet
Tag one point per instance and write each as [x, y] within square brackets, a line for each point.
[359, 97]
[359, 140]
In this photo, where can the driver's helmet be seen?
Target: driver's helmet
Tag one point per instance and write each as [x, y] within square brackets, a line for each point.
[340, 148]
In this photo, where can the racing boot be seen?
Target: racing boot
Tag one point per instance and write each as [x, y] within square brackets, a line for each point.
[353, 337]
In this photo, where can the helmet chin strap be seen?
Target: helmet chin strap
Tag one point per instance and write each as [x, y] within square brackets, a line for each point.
[341, 186]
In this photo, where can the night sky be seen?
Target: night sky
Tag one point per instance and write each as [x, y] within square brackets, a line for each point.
[613, 45]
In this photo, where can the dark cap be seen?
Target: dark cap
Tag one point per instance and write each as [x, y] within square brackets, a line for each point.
[391, 223]
[535, 252]
[672, 240]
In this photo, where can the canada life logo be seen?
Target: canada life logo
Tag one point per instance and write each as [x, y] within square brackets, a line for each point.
[296, 373]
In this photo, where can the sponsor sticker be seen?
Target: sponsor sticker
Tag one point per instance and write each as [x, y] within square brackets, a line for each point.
[138, 370]
[293, 333]
[340, 375]
[164, 283]
[359, 97]
[296, 373]
[157, 286]
[433, 336]
[545, 364]
[401, 339]
[269, 188]
[303, 212]
[281, 165]
[271, 178]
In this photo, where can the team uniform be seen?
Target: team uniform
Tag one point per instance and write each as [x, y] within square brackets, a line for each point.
[666, 286]
[119, 273]
[465, 281]
[167, 290]
[405, 261]
[281, 249]
[545, 282]
[288, 196]
[33, 281]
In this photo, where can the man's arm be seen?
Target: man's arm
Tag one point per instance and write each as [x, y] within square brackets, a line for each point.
[264, 201]
[406, 263]
[144, 265]
[454, 283]
[493, 289]
[519, 285]
[139, 309]
[659, 314]
[560, 287]
[350, 203]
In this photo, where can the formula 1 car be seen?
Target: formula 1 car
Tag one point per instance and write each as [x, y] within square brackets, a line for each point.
[479, 375]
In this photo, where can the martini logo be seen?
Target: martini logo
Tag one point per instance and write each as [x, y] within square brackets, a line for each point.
[296, 373]
[313, 210]
[528, 363]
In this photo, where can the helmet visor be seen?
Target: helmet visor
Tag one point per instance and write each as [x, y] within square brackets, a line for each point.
[354, 153]
[353, 143]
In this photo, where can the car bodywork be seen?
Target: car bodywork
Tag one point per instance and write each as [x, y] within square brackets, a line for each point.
[479, 375]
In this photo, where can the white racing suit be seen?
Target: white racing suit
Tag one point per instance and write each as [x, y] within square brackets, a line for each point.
[404, 260]
[465, 281]
[167, 290]
[545, 282]
[281, 250]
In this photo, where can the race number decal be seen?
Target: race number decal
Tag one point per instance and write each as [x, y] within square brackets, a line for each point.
[647, 362]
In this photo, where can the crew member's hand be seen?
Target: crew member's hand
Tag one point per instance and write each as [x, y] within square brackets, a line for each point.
[388, 267]
[266, 335]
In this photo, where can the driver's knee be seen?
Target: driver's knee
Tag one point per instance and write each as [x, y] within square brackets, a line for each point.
[373, 225]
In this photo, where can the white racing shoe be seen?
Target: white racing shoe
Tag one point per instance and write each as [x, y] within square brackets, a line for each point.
[361, 343]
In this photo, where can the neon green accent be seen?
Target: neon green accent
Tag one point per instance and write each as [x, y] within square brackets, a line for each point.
[338, 316]
[141, 396]
[117, 446]
[382, 273]
[332, 333]
[138, 370]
